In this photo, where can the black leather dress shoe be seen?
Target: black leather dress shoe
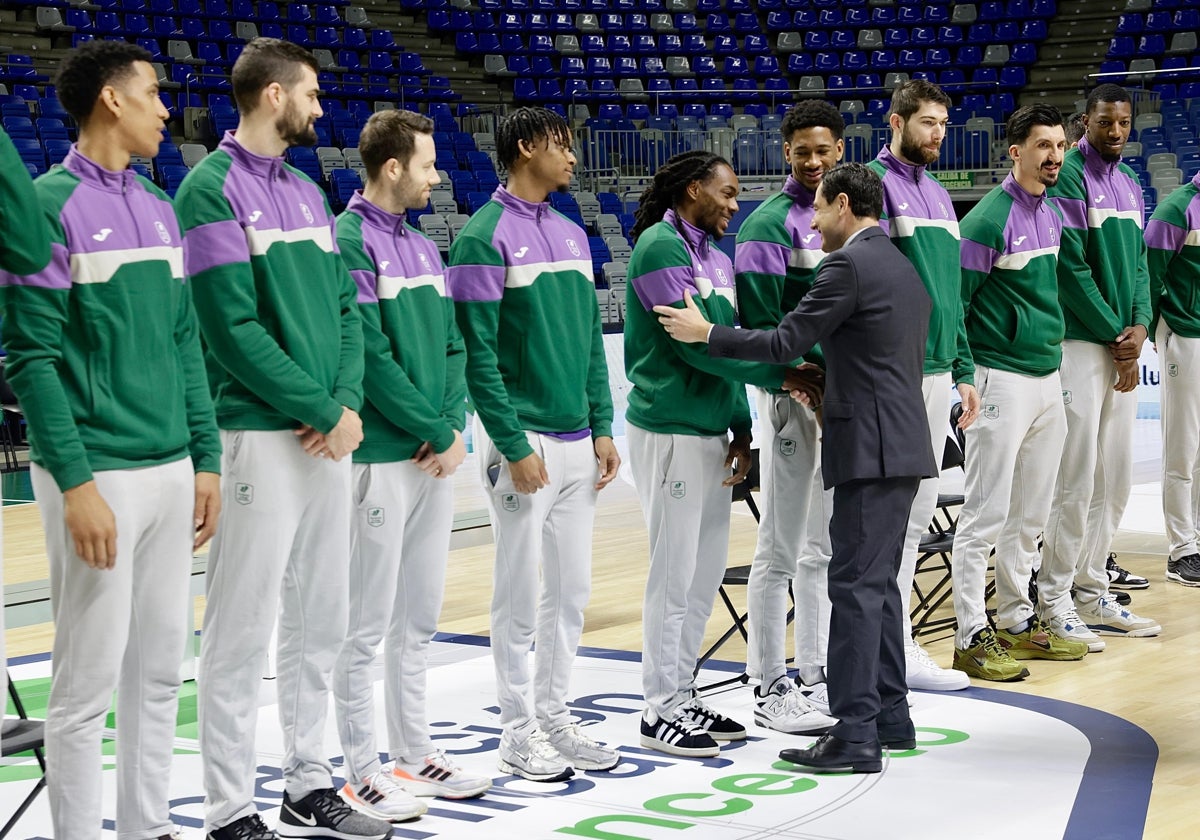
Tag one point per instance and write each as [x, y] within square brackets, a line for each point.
[832, 753]
[898, 736]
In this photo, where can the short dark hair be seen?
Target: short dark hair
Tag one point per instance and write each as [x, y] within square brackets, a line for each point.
[1107, 93]
[908, 96]
[1075, 127]
[1020, 124]
[861, 186]
[813, 113]
[265, 61]
[530, 125]
[88, 68]
[390, 134]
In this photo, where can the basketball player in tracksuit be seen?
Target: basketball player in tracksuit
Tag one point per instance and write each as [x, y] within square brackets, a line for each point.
[24, 249]
[277, 309]
[1105, 292]
[775, 262]
[919, 216]
[413, 415]
[1010, 245]
[105, 356]
[1173, 257]
[682, 409]
[521, 279]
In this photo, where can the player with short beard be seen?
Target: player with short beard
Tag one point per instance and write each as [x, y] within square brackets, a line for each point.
[919, 216]
[277, 309]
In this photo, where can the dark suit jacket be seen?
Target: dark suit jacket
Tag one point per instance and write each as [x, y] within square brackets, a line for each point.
[870, 312]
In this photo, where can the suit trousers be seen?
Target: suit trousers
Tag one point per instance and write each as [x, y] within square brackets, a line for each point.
[935, 389]
[1180, 363]
[282, 549]
[547, 532]
[1012, 456]
[866, 634]
[789, 468]
[399, 543]
[678, 480]
[123, 628]
[1094, 479]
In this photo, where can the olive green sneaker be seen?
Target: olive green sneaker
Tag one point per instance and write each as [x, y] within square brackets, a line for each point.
[987, 659]
[1040, 642]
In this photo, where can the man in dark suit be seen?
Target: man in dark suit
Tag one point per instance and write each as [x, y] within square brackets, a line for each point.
[870, 312]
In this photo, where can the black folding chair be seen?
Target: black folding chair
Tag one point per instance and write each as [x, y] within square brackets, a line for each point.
[22, 735]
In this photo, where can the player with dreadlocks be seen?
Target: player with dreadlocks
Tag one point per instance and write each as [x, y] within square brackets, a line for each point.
[682, 408]
[521, 279]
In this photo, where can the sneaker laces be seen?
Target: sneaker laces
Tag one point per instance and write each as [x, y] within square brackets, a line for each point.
[686, 724]
[333, 805]
[249, 828]
[698, 704]
[385, 782]
[993, 648]
[577, 735]
[442, 761]
[915, 651]
[1071, 617]
[540, 746]
[794, 701]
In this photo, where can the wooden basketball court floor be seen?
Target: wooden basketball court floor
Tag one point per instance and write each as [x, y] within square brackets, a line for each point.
[1152, 683]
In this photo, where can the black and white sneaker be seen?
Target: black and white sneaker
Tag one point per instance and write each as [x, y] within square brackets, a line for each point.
[323, 814]
[717, 725]
[247, 828]
[1185, 570]
[1119, 578]
[678, 735]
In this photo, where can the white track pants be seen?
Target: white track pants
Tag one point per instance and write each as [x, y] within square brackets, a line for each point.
[124, 628]
[282, 548]
[1180, 364]
[678, 480]
[936, 391]
[399, 544]
[810, 586]
[1011, 459]
[789, 468]
[1094, 479]
[550, 532]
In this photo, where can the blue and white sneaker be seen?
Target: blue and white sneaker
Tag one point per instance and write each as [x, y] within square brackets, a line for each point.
[1110, 619]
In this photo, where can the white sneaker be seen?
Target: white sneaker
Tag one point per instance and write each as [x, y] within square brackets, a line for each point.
[1070, 626]
[817, 695]
[437, 775]
[923, 674]
[533, 758]
[785, 709]
[381, 796]
[1111, 619]
[582, 751]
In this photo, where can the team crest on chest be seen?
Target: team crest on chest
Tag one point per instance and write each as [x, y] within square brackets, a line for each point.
[163, 233]
[721, 277]
[308, 216]
[574, 246]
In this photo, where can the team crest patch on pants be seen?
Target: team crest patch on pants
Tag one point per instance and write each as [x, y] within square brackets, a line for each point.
[243, 494]
[787, 447]
[1066, 397]
[375, 517]
[1172, 369]
[678, 489]
[510, 502]
[991, 412]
